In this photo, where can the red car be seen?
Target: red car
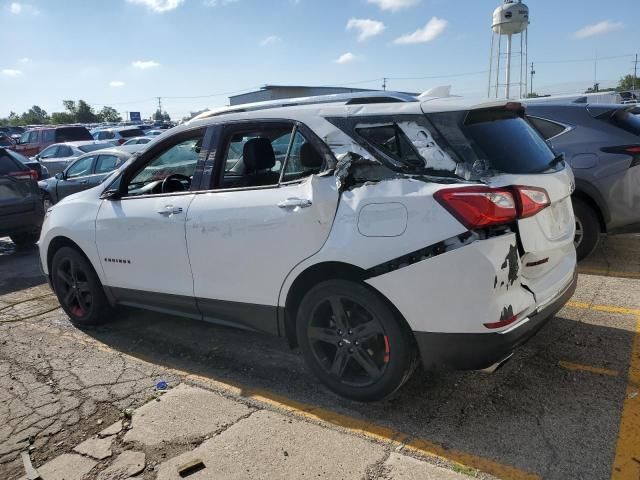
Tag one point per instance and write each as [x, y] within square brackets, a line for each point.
[33, 141]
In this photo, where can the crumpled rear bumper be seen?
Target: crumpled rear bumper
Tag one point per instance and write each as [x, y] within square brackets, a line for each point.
[476, 351]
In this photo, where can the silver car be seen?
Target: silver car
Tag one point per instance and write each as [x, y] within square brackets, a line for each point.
[58, 156]
[602, 144]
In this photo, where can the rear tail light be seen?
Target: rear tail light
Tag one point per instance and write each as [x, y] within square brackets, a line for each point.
[632, 150]
[121, 141]
[482, 207]
[24, 175]
[507, 318]
[479, 207]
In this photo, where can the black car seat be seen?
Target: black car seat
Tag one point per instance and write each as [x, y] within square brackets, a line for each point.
[259, 158]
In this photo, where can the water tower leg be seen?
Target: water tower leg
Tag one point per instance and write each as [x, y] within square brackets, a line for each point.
[508, 79]
[490, 65]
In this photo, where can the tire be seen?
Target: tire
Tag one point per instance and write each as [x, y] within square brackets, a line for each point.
[23, 240]
[78, 288]
[366, 355]
[587, 228]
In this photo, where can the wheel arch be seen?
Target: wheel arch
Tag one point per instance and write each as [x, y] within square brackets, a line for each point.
[315, 274]
[594, 200]
[57, 243]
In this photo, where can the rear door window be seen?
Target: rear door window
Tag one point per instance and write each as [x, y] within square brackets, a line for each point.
[64, 151]
[72, 134]
[106, 163]
[48, 136]
[492, 140]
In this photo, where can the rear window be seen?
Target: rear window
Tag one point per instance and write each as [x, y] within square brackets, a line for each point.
[134, 132]
[627, 121]
[72, 134]
[492, 140]
[8, 164]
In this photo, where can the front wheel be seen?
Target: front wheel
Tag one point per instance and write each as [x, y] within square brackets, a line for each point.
[78, 288]
[353, 341]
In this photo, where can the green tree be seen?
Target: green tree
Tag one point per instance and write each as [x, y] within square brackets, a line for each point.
[158, 115]
[628, 82]
[108, 114]
[61, 118]
[70, 105]
[166, 117]
[35, 116]
[84, 113]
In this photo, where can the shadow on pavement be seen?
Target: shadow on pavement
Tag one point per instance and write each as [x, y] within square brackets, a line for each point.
[530, 414]
[19, 267]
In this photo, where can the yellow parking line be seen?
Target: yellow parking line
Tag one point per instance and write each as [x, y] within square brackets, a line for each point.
[626, 465]
[603, 308]
[587, 368]
[607, 273]
[372, 430]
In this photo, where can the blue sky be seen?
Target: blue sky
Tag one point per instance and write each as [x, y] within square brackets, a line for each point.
[125, 52]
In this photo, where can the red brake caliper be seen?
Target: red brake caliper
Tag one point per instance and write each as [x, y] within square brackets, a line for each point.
[386, 349]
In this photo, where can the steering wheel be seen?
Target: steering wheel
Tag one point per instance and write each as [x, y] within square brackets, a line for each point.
[174, 179]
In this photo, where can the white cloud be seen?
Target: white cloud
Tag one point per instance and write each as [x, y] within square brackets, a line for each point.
[270, 40]
[24, 60]
[17, 8]
[368, 28]
[600, 28]
[346, 58]
[10, 72]
[158, 6]
[116, 83]
[394, 5]
[430, 31]
[145, 64]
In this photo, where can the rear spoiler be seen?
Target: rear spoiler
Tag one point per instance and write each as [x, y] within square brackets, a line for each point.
[604, 111]
[492, 112]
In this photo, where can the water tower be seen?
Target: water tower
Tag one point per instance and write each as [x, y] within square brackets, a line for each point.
[511, 19]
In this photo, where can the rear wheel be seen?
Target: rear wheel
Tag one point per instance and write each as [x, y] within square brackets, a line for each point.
[78, 288]
[353, 341]
[587, 228]
[25, 239]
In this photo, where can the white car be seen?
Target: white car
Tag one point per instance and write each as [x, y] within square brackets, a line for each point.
[388, 230]
[59, 156]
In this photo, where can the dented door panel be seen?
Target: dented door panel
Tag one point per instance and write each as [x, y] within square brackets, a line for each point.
[461, 290]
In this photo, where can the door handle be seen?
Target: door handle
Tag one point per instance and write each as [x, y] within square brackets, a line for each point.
[170, 210]
[295, 203]
[82, 182]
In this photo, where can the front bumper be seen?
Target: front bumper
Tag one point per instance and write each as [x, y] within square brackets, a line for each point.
[476, 351]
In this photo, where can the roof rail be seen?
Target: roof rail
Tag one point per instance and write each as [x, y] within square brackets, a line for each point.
[356, 98]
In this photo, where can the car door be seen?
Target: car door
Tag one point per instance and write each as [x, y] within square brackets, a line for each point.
[257, 222]
[76, 177]
[55, 158]
[140, 233]
[28, 145]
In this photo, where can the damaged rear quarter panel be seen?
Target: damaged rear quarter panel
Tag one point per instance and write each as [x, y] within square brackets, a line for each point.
[460, 290]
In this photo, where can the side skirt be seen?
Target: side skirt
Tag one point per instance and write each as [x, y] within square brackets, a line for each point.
[246, 316]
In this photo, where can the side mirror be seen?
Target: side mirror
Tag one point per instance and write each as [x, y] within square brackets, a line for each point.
[37, 157]
[60, 176]
[111, 194]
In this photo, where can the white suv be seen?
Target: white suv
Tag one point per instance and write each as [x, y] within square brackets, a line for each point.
[370, 230]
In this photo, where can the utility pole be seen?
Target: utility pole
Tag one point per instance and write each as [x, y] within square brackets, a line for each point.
[635, 72]
[384, 83]
[160, 104]
[533, 72]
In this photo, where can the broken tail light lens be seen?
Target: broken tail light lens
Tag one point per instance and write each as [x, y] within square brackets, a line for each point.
[479, 207]
[531, 200]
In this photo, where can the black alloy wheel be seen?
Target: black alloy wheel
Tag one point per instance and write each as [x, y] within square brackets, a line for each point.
[353, 340]
[78, 288]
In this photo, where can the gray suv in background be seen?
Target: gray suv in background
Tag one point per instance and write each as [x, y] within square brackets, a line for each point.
[602, 145]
